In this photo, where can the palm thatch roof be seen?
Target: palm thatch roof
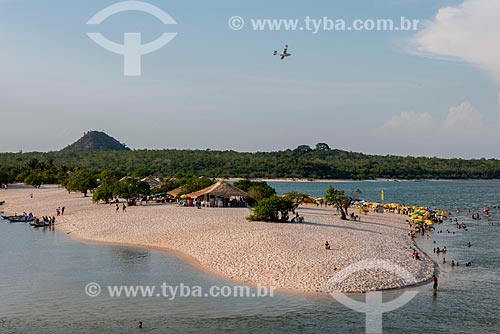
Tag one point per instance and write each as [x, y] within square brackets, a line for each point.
[175, 192]
[153, 182]
[220, 189]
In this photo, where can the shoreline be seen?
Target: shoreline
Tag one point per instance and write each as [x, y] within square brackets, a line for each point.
[289, 257]
[195, 263]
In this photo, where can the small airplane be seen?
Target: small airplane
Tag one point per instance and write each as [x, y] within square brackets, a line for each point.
[283, 54]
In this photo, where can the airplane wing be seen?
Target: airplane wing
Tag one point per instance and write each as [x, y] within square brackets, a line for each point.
[282, 56]
[285, 49]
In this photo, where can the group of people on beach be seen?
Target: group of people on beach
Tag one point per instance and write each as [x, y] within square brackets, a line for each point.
[60, 211]
[44, 221]
[117, 208]
[422, 229]
[354, 217]
[416, 255]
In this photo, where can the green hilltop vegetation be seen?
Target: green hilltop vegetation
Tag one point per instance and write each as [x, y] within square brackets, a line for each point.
[96, 141]
[96, 153]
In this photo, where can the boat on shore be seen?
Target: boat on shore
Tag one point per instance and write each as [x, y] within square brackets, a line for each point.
[41, 224]
[19, 219]
[44, 222]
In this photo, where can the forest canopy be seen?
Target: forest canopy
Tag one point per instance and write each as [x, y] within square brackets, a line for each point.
[319, 162]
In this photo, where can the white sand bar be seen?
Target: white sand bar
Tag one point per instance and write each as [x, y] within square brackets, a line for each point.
[286, 256]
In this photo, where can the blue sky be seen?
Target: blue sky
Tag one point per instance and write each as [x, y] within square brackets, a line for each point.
[409, 93]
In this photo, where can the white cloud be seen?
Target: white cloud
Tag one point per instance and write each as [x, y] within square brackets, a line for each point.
[463, 116]
[410, 119]
[468, 32]
[460, 117]
[461, 133]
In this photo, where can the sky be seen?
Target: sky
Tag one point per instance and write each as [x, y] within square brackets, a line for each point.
[429, 92]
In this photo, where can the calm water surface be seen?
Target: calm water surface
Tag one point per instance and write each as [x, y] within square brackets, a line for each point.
[43, 274]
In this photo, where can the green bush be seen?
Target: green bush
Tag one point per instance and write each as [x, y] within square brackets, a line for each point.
[272, 209]
[130, 188]
[104, 193]
[83, 182]
[340, 200]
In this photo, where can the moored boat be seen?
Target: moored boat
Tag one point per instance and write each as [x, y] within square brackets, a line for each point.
[21, 219]
[41, 224]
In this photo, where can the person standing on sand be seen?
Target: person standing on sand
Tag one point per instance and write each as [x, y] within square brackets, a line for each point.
[124, 208]
[62, 210]
[435, 281]
[117, 208]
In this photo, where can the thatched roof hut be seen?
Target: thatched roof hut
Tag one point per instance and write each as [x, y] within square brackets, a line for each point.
[175, 192]
[153, 182]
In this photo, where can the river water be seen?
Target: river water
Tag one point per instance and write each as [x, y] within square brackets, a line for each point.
[43, 275]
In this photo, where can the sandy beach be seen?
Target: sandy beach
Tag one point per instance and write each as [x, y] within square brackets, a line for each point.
[286, 256]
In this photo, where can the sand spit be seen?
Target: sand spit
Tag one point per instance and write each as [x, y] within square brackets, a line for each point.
[286, 256]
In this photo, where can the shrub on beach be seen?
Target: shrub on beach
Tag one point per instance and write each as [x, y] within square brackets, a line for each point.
[340, 200]
[272, 209]
[83, 182]
[104, 193]
[131, 188]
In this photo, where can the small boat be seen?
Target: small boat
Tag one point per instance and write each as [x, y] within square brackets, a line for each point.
[20, 219]
[41, 224]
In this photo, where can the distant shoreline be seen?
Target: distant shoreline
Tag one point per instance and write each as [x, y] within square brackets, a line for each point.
[302, 180]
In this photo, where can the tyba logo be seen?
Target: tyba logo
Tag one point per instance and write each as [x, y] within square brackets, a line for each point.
[132, 48]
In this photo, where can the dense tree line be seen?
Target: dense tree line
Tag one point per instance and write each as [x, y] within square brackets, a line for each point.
[320, 162]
